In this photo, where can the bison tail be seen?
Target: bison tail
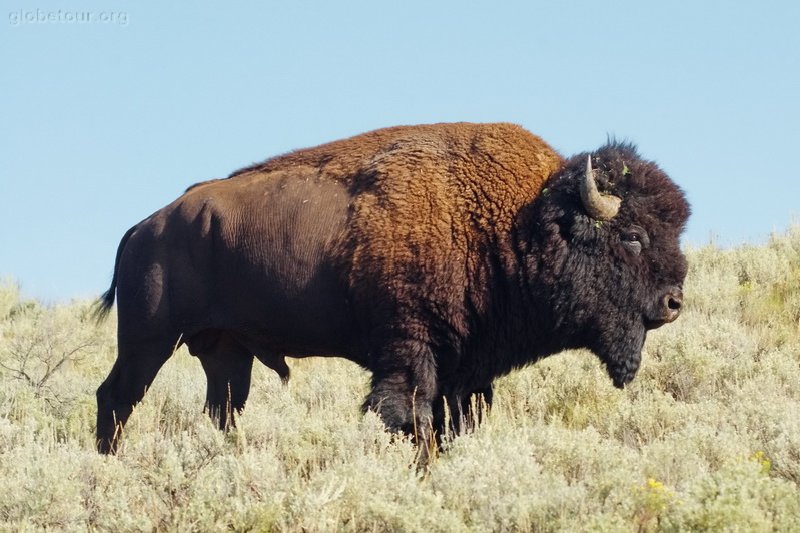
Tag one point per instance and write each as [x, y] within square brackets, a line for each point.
[104, 304]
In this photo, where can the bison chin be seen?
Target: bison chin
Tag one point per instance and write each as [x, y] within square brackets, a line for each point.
[623, 356]
[622, 374]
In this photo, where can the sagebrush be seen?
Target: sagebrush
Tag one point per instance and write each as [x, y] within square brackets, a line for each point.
[706, 438]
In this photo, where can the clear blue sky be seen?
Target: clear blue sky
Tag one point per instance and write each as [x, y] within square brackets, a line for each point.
[105, 120]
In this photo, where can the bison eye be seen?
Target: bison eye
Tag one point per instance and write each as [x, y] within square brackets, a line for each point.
[635, 240]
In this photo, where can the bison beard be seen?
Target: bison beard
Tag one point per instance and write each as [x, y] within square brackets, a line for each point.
[438, 257]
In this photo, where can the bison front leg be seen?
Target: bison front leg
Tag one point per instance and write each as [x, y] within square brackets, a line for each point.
[404, 386]
[477, 405]
[456, 413]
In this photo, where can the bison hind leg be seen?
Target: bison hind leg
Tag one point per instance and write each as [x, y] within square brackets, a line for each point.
[134, 370]
[228, 366]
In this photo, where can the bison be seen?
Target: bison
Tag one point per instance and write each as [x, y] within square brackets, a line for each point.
[438, 257]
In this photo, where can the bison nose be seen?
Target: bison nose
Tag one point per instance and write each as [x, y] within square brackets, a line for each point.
[672, 302]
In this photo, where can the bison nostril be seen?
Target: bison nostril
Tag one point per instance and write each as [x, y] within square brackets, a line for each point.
[672, 302]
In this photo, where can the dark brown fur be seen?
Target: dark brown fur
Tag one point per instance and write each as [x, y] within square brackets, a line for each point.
[438, 257]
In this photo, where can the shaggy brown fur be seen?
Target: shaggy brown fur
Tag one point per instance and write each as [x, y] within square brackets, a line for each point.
[436, 256]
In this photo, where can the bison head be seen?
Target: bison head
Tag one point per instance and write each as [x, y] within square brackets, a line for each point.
[609, 263]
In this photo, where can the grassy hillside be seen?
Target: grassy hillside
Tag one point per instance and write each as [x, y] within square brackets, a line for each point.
[706, 438]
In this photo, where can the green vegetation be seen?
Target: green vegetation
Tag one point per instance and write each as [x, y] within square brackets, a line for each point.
[706, 438]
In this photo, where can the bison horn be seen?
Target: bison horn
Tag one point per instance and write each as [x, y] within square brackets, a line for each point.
[599, 206]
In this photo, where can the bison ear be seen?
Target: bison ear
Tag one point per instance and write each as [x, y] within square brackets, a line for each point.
[598, 205]
[586, 232]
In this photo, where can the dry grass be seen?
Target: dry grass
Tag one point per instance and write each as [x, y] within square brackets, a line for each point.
[706, 438]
